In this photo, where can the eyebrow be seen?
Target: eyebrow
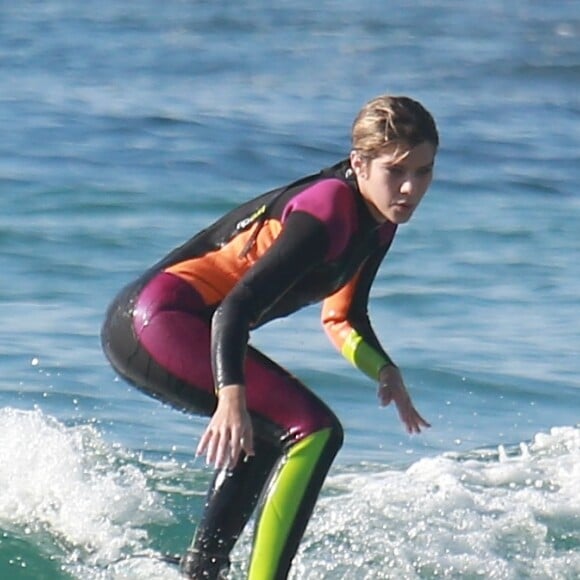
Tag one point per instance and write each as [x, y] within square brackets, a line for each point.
[428, 165]
[401, 163]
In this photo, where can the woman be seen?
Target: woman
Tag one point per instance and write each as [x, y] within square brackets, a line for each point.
[180, 332]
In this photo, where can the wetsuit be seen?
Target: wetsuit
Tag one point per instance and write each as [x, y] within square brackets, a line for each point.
[181, 331]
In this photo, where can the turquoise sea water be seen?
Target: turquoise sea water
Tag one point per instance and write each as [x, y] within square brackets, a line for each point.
[125, 127]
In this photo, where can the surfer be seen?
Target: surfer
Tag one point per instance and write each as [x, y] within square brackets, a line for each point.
[180, 332]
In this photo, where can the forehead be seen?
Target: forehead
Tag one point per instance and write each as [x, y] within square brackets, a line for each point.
[402, 153]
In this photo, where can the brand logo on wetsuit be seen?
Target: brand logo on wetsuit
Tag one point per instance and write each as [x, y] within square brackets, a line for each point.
[243, 224]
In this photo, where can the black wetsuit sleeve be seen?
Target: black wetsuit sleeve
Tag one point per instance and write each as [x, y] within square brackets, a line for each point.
[301, 245]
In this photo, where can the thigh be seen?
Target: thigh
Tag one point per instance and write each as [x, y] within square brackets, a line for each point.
[275, 395]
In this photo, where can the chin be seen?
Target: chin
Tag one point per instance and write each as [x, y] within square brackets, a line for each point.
[399, 219]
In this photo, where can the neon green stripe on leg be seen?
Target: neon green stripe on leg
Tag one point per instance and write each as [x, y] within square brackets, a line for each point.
[282, 504]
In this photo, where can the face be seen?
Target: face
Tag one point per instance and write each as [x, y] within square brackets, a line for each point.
[394, 183]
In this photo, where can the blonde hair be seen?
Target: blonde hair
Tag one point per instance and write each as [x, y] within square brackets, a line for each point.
[388, 120]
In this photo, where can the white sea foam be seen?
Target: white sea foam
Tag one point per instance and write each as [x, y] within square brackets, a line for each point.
[66, 484]
[503, 514]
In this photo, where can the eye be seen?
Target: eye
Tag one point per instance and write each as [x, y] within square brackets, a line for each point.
[425, 171]
[395, 170]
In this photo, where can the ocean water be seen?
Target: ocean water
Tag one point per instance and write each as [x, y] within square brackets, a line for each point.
[125, 127]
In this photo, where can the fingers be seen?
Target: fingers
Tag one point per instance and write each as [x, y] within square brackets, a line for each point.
[203, 443]
[223, 447]
[247, 442]
[412, 420]
[422, 421]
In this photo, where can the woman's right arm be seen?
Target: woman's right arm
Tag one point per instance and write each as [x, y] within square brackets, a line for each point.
[301, 245]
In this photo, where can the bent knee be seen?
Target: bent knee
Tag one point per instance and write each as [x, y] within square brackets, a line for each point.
[320, 422]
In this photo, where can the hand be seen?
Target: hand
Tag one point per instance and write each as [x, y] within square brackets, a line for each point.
[229, 431]
[392, 388]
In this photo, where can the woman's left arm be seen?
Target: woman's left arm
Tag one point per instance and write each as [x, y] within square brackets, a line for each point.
[346, 321]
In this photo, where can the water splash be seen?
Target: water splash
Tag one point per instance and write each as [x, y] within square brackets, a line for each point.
[80, 501]
[504, 513]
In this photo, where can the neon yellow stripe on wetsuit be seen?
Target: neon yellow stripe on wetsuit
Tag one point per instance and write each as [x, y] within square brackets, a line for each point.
[284, 499]
[362, 356]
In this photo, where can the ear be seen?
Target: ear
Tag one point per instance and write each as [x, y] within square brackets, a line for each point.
[358, 164]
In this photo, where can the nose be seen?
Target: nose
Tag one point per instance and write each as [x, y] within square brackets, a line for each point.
[408, 186]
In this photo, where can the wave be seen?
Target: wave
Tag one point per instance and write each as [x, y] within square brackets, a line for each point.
[492, 513]
[70, 502]
[74, 505]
